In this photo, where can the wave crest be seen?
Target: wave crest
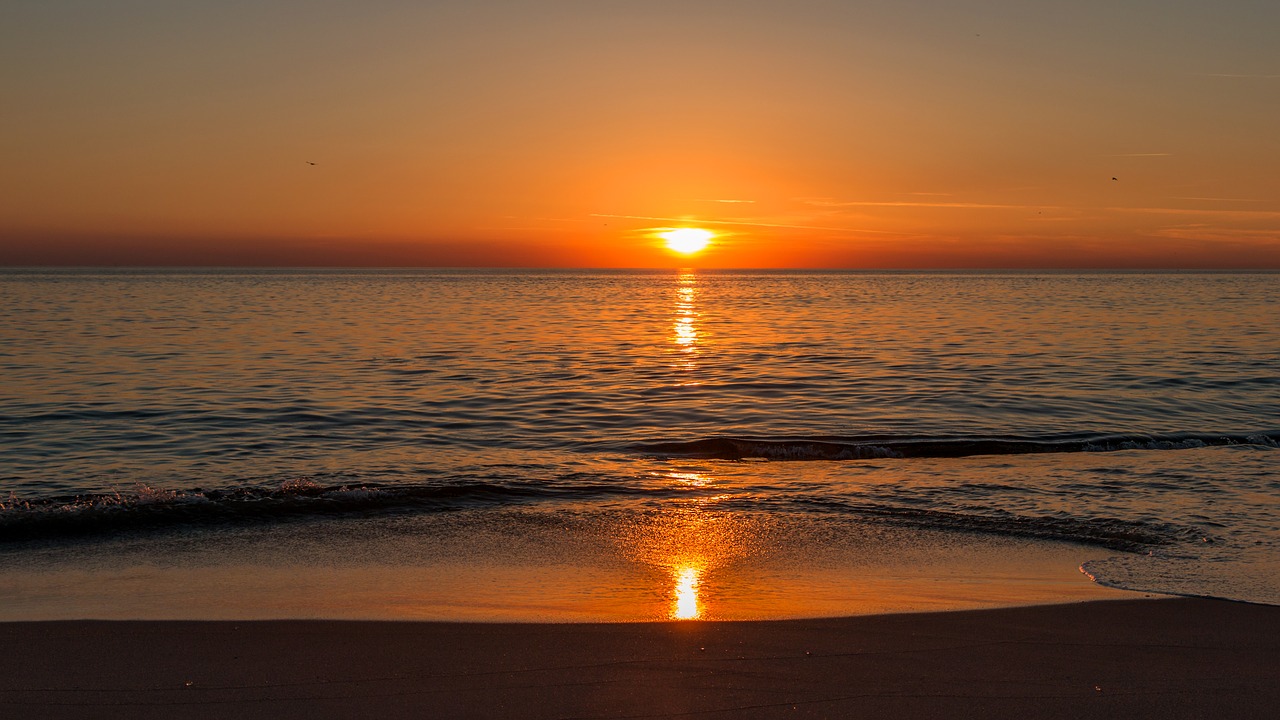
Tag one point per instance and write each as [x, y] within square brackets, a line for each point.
[146, 507]
[875, 447]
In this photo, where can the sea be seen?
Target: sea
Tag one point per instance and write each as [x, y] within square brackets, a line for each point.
[606, 444]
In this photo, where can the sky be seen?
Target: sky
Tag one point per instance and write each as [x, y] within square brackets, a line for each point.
[822, 134]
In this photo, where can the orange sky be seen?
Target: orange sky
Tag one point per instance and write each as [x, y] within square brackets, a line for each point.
[810, 134]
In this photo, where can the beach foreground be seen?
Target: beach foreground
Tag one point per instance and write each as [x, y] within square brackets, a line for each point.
[1157, 658]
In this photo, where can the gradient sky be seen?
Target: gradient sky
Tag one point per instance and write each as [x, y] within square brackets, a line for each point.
[504, 133]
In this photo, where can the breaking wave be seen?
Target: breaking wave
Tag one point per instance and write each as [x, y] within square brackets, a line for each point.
[149, 509]
[886, 446]
[145, 507]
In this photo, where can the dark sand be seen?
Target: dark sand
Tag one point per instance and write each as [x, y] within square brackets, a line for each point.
[1124, 659]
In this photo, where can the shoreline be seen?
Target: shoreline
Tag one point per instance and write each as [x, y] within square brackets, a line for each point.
[540, 567]
[1159, 657]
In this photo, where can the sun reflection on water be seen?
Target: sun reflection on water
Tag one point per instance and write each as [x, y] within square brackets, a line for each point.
[689, 479]
[684, 332]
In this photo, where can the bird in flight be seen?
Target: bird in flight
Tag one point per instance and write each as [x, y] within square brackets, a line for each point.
[311, 163]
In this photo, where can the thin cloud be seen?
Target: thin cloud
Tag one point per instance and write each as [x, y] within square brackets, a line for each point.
[1217, 234]
[906, 203]
[1241, 214]
[1141, 155]
[1236, 75]
[544, 219]
[1215, 199]
[721, 201]
[744, 223]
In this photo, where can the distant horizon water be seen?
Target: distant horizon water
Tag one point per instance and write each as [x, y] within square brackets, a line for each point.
[941, 270]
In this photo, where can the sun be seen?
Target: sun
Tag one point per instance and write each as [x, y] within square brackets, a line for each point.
[687, 241]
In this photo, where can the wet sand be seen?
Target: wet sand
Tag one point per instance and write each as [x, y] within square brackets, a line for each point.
[1157, 658]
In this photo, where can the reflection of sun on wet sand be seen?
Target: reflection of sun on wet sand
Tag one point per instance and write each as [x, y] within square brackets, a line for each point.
[696, 557]
[687, 544]
[686, 606]
[689, 541]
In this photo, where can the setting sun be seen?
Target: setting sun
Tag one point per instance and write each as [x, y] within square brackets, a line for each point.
[686, 240]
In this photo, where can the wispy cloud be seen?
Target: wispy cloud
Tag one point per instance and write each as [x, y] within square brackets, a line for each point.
[1205, 212]
[1217, 234]
[911, 203]
[700, 221]
[1237, 75]
[1141, 155]
[721, 201]
[1215, 199]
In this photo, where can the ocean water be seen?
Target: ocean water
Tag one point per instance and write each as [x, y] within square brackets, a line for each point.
[1132, 417]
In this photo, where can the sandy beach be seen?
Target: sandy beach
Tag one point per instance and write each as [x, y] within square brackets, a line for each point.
[1156, 658]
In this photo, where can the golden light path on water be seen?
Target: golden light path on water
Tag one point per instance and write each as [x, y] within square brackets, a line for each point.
[711, 563]
[684, 331]
[686, 572]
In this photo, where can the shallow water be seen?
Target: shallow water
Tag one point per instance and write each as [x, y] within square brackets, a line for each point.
[1130, 415]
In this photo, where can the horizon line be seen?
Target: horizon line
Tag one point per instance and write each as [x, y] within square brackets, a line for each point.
[571, 268]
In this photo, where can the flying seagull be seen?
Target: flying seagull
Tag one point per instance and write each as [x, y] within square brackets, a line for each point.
[311, 163]
[1111, 178]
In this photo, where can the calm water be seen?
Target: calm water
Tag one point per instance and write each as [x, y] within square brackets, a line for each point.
[1134, 414]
